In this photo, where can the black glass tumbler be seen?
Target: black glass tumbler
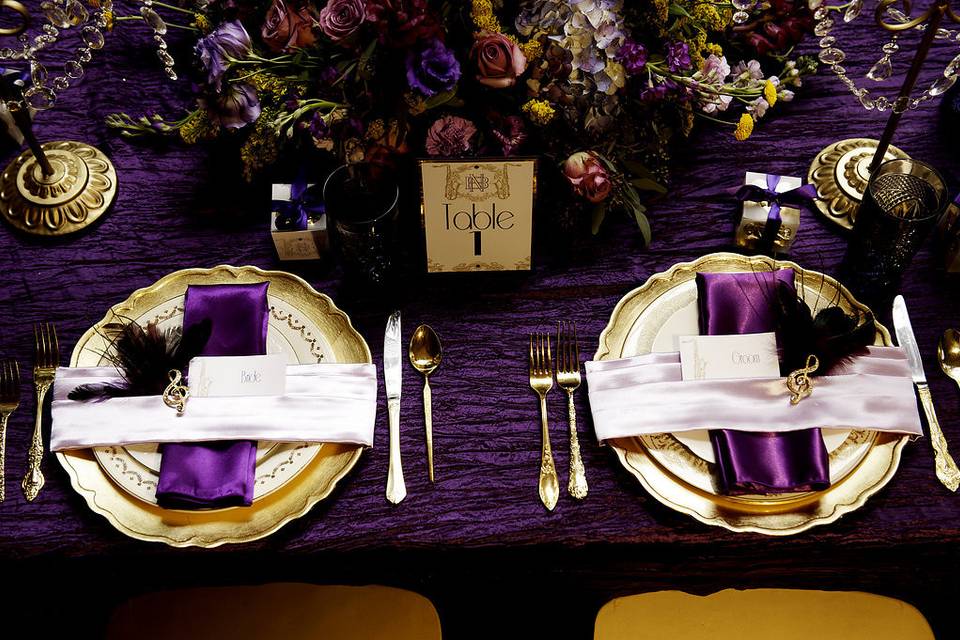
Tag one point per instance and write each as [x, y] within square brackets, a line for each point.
[362, 205]
[902, 203]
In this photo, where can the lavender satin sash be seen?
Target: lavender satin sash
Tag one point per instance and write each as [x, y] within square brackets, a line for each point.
[734, 303]
[217, 474]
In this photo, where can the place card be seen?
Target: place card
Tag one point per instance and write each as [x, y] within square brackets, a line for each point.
[478, 214]
[235, 376]
[748, 355]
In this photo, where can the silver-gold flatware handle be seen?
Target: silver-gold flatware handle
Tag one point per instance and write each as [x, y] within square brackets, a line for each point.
[396, 488]
[946, 468]
[549, 484]
[577, 485]
[33, 480]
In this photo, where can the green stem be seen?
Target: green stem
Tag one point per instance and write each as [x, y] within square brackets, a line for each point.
[169, 24]
[172, 7]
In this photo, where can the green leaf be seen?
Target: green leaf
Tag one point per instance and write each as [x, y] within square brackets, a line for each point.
[441, 98]
[596, 219]
[638, 169]
[644, 224]
[646, 184]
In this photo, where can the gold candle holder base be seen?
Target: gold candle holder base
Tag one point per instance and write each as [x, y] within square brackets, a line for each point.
[841, 172]
[81, 188]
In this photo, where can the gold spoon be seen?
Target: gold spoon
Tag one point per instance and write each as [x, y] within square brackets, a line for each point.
[948, 353]
[425, 354]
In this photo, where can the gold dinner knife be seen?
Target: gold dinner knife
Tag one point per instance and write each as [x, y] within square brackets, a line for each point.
[946, 468]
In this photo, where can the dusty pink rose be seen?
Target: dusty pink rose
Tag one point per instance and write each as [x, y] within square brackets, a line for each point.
[288, 26]
[498, 60]
[588, 176]
[340, 19]
[450, 136]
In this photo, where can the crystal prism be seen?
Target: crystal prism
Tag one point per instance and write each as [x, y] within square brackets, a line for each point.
[942, 85]
[38, 73]
[76, 13]
[40, 98]
[73, 69]
[823, 27]
[881, 71]
[153, 20]
[832, 56]
[853, 11]
[92, 37]
[55, 14]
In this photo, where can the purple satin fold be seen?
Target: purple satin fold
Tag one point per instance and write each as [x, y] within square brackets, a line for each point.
[217, 474]
[732, 303]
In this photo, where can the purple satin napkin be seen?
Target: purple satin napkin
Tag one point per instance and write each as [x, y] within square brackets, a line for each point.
[757, 462]
[217, 474]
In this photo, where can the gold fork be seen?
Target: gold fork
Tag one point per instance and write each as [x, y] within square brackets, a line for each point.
[46, 359]
[541, 381]
[9, 401]
[568, 377]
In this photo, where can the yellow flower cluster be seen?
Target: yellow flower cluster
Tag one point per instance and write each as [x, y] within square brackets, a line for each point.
[202, 22]
[532, 49]
[707, 15]
[744, 127]
[197, 127]
[261, 148]
[265, 82]
[481, 12]
[108, 17]
[770, 92]
[539, 111]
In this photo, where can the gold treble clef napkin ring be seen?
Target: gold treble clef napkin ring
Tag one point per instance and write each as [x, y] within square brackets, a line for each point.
[799, 382]
[175, 395]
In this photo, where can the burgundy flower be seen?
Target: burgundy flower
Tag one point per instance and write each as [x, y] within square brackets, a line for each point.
[498, 60]
[340, 19]
[510, 132]
[289, 27]
[450, 136]
[587, 175]
[403, 23]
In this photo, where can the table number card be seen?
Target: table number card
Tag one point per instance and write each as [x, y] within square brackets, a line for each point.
[478, 214]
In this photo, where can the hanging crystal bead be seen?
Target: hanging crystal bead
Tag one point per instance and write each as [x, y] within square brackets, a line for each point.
[853, 11]
[953, 67]
[76, 13]
[161, 43]
[881, 71]
[901, 104]
[891, 47]
[827, 41]
[881, 103]
[92, 37]
[55, 14]
[38, 73]
[832, 56]
[61, 84]
[821, 13]
[170, 73]
[897, 15]
[942, 34]
[5, 53]
[165, 58]
[154, 21]
[84, 55]
[942, 85]
[73, 69]
[823, 27]
[51, 30]
[865, 100]
[40, 98]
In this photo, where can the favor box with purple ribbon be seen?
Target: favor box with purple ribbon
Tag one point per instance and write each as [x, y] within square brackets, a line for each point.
[771, 211]
[298, 222]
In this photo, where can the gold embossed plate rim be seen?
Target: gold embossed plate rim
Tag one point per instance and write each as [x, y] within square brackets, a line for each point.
[770, 517]
[224, 526]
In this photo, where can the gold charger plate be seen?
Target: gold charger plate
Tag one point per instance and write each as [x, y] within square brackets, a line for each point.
[676, 477]
[181, 528]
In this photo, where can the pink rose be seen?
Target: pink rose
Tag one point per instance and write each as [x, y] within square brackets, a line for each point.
[286, 27]
[340, 19]
[588, 176]
[498, 60]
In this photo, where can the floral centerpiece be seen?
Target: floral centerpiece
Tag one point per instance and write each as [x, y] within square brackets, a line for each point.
[601, 89]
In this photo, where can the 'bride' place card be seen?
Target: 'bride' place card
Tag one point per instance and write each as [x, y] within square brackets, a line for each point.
[478, 214]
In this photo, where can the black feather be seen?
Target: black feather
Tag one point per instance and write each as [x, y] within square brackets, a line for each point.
[144, 358]
[832, 335]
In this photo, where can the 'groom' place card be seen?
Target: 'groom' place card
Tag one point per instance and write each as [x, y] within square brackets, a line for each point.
[478, 214]
[748, 355]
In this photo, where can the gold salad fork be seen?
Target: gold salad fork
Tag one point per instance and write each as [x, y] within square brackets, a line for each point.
[46, 360]
[541, 381]
[9, 401]
[568, 377]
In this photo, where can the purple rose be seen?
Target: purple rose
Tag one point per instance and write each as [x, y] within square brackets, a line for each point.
[678, 56]
[432, 69]
[236, 107]
[340, 19]
[633, 56]
[450, 136]
[229, 40]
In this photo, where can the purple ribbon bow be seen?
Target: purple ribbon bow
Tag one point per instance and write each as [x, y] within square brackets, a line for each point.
[800, 198]
[304, 203]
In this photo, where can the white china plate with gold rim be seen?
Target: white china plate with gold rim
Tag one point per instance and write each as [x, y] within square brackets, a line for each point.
[305, 325]
[136, 468]
[679, 469]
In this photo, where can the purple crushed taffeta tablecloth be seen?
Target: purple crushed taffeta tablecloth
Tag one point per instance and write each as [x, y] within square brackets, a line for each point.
[478, 541]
